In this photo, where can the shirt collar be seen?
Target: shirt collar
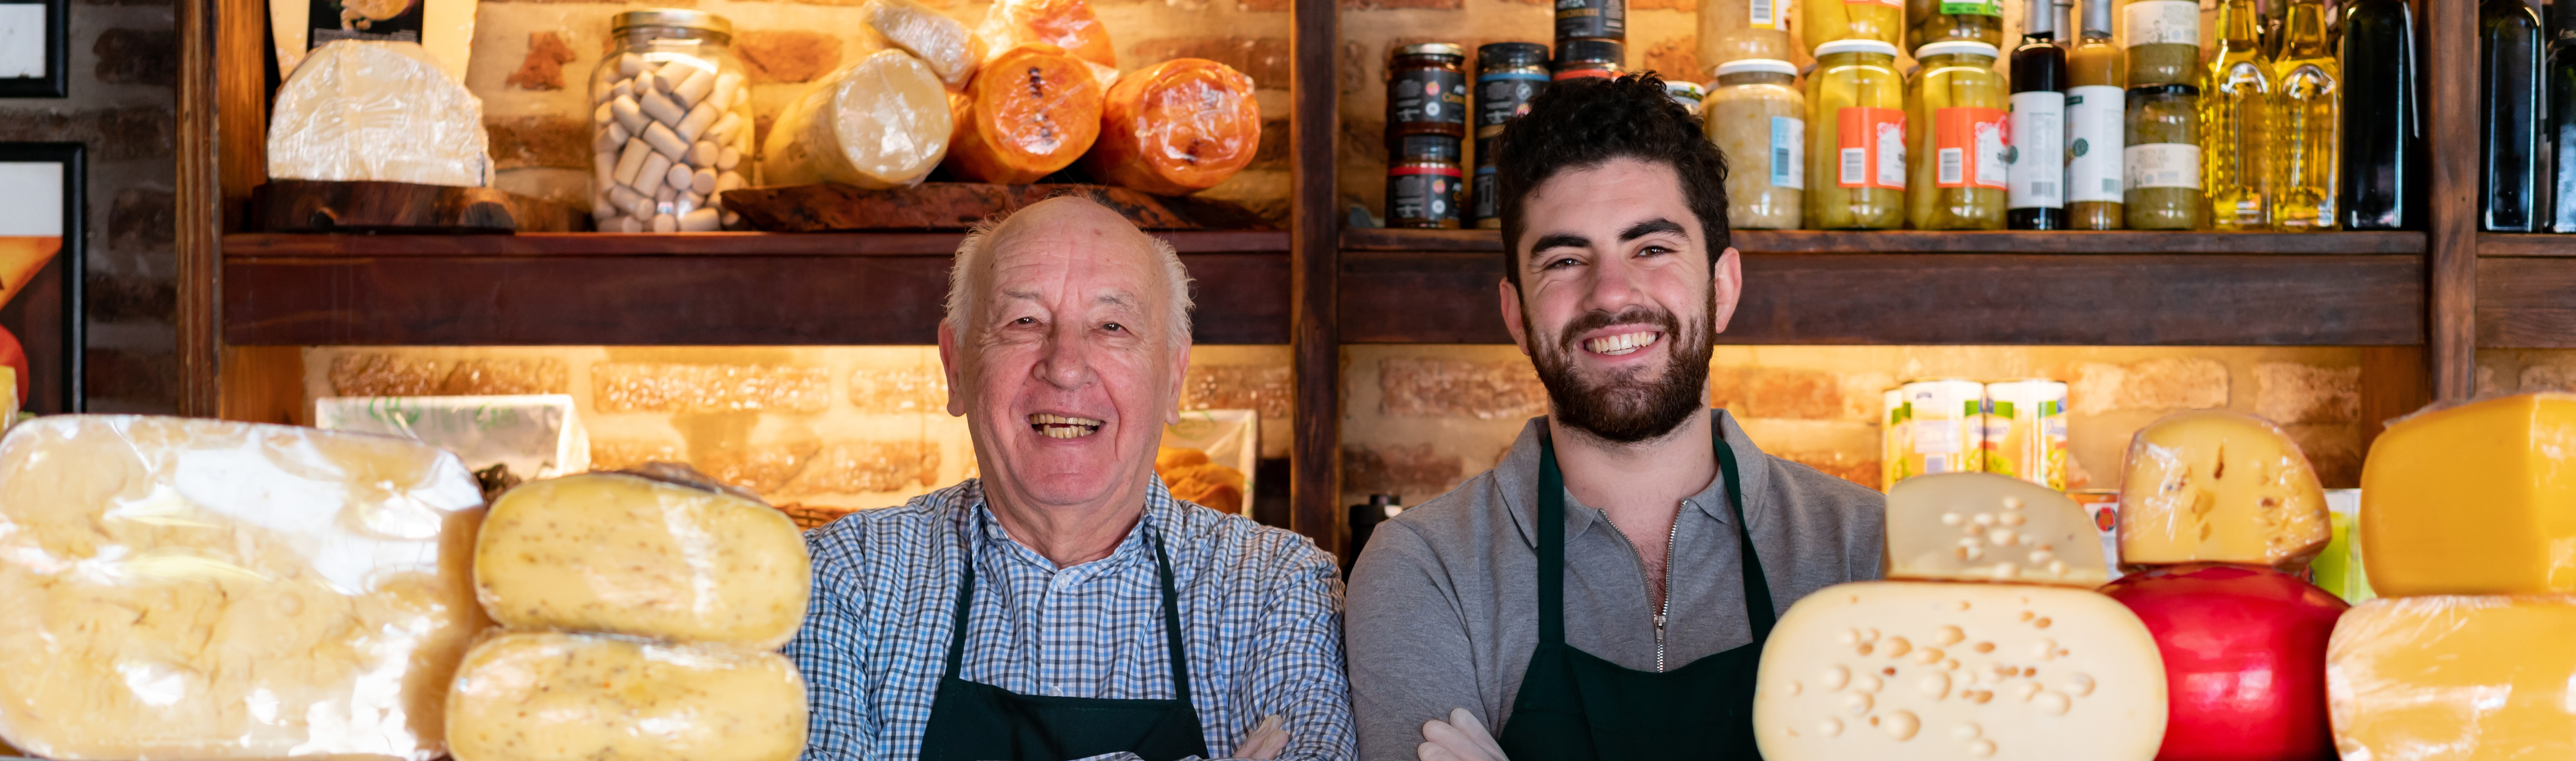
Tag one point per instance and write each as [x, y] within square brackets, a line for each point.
[1516, 479]
[993, 540]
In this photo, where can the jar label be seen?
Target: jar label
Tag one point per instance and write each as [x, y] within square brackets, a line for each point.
[1437, 96]
[2038, 151]
[1871, 147]
[2156, 22]
[1968, 148]
[1486, 197]
[1591, 19]
[1973, 8]
[1788, 152]
[1768, 14]
[1501, 95]
[1422, 194]
[2162, 165]
[2094, 133]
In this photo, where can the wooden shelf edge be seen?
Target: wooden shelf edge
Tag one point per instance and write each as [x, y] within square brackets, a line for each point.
[1910, 241]
[293, 245]
[2525, 245]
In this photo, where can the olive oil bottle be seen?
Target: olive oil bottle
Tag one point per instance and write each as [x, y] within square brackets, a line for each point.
[2310, 104]
[2384, 171]
[2236, 124]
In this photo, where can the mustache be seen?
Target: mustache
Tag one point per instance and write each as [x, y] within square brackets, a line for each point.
[1639, 314]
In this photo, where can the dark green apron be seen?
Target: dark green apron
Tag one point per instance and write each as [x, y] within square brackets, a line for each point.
[981, 722]
[1574, 705]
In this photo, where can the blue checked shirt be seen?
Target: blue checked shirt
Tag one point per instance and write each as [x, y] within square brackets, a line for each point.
[1260, 616]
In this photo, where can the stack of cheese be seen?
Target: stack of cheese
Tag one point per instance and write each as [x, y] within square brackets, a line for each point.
[1993, 645]
[2219, 513]
[642, 614]
[199, 589]
[2468, 520]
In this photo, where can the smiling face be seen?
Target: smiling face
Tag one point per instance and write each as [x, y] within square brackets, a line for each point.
[1064, 363]
[1618, 304]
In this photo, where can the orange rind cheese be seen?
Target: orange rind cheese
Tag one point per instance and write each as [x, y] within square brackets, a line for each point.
[1066, 24]
[2454, 678]
[2474, 499]
[1030, 111]
[2211, 486]
[1176, 127]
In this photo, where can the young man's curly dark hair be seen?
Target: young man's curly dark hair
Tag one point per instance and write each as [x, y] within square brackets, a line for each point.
[1583, 123]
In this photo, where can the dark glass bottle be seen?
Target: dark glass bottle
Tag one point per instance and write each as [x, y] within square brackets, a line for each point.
[2560, 140]
[2384, 175]
[2509, 74]
[2036, 192]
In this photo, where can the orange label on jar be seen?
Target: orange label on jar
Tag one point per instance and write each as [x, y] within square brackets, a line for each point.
[1968, 148]
[1869, 148]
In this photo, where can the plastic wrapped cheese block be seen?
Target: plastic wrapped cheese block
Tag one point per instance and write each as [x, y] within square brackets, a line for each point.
[1896, 670]
[2211, 486]
[1176, 127]
[358, 110]
[1067, 24]
[1030, 111]
[934, 37]
[2474, 499]
[545, 696]
[625, 554]
[878, 123]
[1988, 527]
[2467, 678]
[198, 589]
[527, 436]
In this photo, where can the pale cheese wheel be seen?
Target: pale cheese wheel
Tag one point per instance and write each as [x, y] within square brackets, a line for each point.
[1176, 127]
[199, 589]
[1990, 527]
[934, 37]
[624, 554]
[1030, 111]
[2213, 486]
[878, 123]
[549, 696]
[361, 110]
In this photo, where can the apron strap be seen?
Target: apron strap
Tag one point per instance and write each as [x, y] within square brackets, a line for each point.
[1172, 625]
[965, 599]
[1757, 590]
[1551, 545]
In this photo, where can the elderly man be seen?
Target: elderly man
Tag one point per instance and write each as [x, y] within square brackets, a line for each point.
[1064, 605]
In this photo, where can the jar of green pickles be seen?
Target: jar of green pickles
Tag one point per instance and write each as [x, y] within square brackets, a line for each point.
[2160, 167]
[1930, 21]
[1957, 104]
[1823, 21]
[1856, 137]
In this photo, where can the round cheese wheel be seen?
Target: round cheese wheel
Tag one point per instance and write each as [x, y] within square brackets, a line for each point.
[551, 696]
[1030, 111]
[1067, 24]
[878, 123]
[1176, 127]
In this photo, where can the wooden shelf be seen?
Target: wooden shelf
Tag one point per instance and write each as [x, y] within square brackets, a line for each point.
[2526, 245]
[697, 289]
[2526, 302]
[1956, 288]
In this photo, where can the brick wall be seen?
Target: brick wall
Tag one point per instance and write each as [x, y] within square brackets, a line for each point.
[124, 62]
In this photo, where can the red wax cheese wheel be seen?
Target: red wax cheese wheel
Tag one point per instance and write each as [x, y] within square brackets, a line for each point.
[2244, 650]
[1176, 127]
[1066, 24]
[1030, 111]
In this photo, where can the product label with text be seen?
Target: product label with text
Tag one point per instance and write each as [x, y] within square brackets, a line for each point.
[1968, 146]
[1870, 145]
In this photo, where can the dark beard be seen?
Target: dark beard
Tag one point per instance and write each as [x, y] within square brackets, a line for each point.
[1626, 409]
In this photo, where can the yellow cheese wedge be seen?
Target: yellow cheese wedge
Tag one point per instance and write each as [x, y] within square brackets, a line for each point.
[623, 554]
[21, 257]
[546, 696]
[2475, 499]
[1989, 527]
[2211, 486]
[2444, 678]
[1972, 672]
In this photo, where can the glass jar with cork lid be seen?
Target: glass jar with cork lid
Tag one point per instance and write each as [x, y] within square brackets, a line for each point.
[671, 124]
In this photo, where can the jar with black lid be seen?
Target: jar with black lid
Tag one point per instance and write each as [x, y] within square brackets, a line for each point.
[1422, 183]
[1576, 59]
[1426, 91]
[1508, 75]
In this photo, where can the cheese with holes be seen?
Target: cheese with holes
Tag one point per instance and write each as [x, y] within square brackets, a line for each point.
[198, 589]
[2474, 499]
[877, 123]
[1914, 670]
[2454, 678]
[2211, 486]
[934, 37]
[1989, 527]
[546, 696]
[1032, 111]
[624, 554]
[359, 110]
[1176, 127]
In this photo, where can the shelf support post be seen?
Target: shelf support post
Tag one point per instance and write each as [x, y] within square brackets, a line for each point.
[1315, 258]
[200, 208]
[2451, 238]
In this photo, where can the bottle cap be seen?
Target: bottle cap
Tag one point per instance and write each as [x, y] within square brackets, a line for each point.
[1757, 66]
[1955, 47]
[1859, 46]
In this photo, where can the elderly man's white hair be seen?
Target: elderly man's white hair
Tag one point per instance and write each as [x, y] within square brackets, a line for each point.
[973, 252]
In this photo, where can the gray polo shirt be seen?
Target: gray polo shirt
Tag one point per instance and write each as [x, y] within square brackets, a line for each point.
[1443, 605]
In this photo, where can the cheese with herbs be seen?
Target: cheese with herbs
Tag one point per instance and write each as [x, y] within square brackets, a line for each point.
[624, 554]
[547, 696]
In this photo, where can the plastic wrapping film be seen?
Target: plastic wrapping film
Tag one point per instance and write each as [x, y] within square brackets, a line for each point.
[1209, 458]
[1964, 672]
[2474, 499]
[1015, 129]
[532, 436]
[2211, 486]
[934, 37]
[2454, 678]
[1176, 127]
[358, 110]
[199, 589]
[546, 696]
[1067, 24]
[624, 554]
[1988, 527]
[878, 123]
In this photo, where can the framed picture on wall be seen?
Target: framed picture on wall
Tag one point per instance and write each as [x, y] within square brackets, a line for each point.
[42, 308]
[35, 48]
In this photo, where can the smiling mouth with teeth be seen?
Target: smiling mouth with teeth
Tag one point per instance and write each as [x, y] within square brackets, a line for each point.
[1063, 427]
[1624, 343]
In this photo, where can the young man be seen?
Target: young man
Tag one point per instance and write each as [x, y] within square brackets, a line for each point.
[1604, 591]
